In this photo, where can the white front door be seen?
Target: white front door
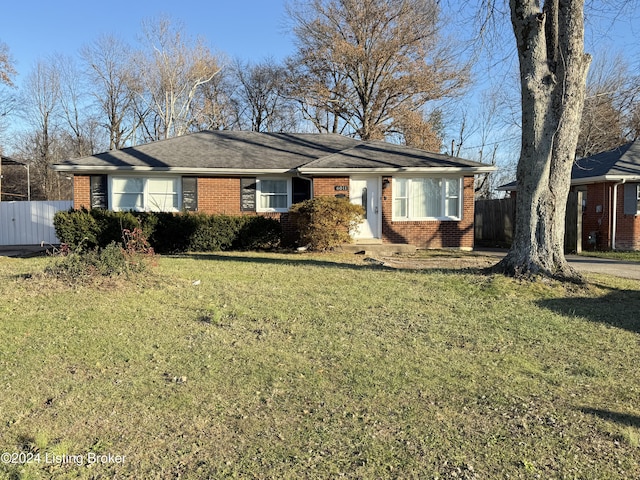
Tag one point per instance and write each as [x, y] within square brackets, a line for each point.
[365, 191]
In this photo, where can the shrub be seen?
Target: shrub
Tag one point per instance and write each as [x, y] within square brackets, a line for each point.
[212, 233]
[172, 232]
[258, 233]
[325, 222]
[112, 224]
[167, 232]
[77, 264]
[76, 227]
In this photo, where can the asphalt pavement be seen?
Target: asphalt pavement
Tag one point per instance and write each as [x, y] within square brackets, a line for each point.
[618, 268]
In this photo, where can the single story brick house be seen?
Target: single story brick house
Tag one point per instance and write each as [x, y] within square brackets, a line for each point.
[410, 196]
[608, 187]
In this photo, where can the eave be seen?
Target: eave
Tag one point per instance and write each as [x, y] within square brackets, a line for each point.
[398, 170]
[88, 169]
[586, 181]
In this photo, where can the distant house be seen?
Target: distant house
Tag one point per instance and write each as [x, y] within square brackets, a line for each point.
[609, 187]
[410, 196]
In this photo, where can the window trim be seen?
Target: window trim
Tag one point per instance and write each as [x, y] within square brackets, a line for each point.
[145, 192]
[259, 194]
[443, 196]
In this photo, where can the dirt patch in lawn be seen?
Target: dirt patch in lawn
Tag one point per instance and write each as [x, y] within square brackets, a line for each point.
[435, 261]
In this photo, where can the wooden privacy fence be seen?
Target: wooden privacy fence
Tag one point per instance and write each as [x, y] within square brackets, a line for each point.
[29, 223]
[495, 221]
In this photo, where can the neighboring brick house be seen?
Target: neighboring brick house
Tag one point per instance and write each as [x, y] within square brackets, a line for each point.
[609, 186]
[410, 196]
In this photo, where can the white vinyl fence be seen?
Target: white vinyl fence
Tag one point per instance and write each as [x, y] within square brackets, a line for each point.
[29, 223]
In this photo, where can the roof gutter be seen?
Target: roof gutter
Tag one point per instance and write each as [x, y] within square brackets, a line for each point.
[308, 179]
[183, 170]
[397, 170]
[301, 171]
[584, 181]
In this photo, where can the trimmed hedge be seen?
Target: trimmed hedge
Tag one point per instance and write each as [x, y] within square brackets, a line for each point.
[168, 232]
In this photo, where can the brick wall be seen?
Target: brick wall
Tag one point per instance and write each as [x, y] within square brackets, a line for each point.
[219, 195]
[432, 233]
[628, 226]
[424, 234]
[325, 186]
[597, 219]
[81, 191]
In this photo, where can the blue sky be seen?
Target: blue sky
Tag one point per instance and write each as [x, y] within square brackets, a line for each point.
[255, 30]
[250, 30]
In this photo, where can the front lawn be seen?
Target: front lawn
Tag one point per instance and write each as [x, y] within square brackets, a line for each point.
[614, 255]
[301, 366]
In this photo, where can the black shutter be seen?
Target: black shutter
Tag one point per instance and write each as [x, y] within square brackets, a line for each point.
[99, 191]
[190, 194]
[631, 198]
[301, 189]
[248, 194]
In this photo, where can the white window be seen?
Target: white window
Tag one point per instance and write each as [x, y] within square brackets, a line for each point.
[638, 198]
[156, 194]
[427, 198]
[162, 194]
[274, 194]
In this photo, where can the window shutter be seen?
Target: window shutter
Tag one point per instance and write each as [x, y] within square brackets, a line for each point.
[631, 198]
[190, 194]
[301, 189]
[99, 191]
[248, 194]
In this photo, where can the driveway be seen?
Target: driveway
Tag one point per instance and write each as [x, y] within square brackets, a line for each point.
[618, 268]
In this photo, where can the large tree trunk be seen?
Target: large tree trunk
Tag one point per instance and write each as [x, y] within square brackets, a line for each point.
[553, 72]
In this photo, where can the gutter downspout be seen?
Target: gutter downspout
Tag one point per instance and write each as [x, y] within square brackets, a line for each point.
[308, 179]
[614, 223]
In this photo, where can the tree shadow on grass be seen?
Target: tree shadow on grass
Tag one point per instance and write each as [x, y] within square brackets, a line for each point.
[385, 263]
[302, 260]
[618, 308]
[621, 418]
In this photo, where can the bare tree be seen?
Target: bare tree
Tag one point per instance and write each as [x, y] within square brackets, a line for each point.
[633, 122]
[417, 130]
[109, 68]
[318, 88]
[260, 96]
[372, 65]
[611, 95]
[7, 70]
[77, 119]
[40, 146]
[172, 71]
[214, 108]
[553, 73]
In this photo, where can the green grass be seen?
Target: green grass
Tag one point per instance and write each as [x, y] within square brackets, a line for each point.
[284, 366]
[614, 255]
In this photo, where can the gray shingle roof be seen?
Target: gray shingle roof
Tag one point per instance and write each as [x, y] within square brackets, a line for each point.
[251, 151]
[620, 162]
[376, 154]
[614, 165]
